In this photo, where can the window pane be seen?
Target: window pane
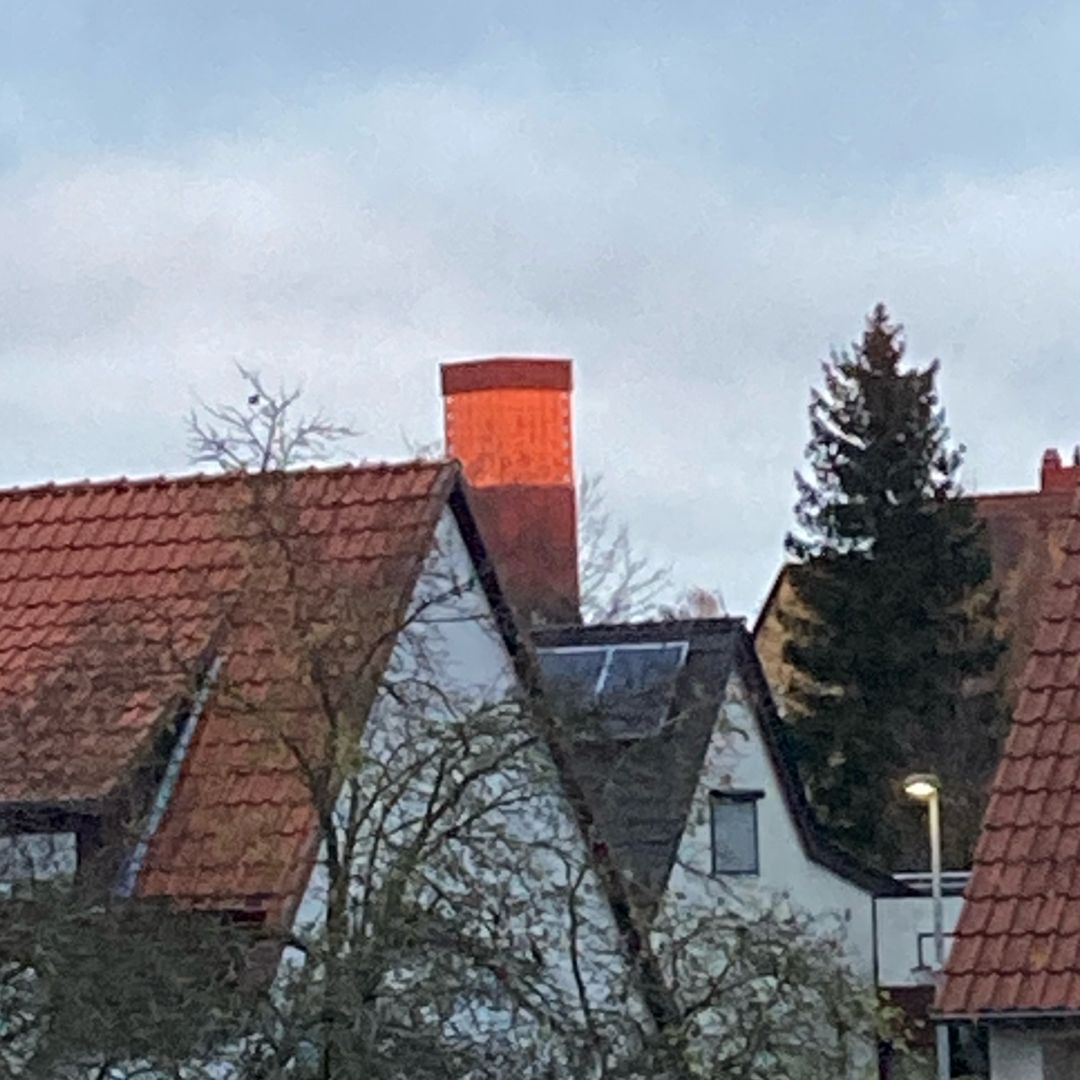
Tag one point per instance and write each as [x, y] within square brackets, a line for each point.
[636, 670]
[575, 672]
[638, 688]
[734, 835]
[37, 856]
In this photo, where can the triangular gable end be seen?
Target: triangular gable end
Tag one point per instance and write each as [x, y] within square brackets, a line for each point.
[514, 837]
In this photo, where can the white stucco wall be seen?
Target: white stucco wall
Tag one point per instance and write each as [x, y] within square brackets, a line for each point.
[900, 921]
[471, 657]
[465, 657]
[737, 759]
[1018, 1054]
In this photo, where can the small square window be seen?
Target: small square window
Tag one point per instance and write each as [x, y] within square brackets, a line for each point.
[26, 858]
[734, 832]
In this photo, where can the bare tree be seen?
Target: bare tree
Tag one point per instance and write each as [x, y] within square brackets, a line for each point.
[265, 432]
[618, 583]
[453, 924]
[765, 989]
[695, 603]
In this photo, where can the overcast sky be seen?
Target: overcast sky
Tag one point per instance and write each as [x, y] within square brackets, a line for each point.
[695, 200]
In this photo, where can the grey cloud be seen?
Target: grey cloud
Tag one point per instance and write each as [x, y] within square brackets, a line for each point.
[442, 222]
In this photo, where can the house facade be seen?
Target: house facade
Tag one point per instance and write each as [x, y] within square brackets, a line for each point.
[300, 703]
[272, 698]
[679, 750]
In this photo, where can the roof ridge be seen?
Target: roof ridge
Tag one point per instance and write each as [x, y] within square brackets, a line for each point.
[700, 623]
[69, 487]
[1021, 493]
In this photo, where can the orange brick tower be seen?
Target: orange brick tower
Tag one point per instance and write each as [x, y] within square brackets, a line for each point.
[508, 422]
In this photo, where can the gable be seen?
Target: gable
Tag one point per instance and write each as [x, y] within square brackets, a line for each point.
[461, 797]
[641, 789]
[738, 761]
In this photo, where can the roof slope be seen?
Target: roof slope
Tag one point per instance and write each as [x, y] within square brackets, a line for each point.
[111, 598]
[641, 790]
[1017, 945]
[1025, 532]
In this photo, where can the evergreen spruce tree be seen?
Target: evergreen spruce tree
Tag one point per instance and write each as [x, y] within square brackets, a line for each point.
[892, 640]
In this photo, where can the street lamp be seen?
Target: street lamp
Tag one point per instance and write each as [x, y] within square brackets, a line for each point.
[926, 788]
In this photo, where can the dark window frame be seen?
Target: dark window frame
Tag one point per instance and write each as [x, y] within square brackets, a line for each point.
[728, 797]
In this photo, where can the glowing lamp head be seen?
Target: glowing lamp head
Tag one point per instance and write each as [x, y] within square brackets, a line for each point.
[921, 787]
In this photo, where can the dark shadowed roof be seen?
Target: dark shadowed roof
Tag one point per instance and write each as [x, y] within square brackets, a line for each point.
[1017, 944]
[640, 776]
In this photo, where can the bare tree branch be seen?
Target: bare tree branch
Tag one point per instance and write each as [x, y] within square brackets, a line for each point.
[264, 433]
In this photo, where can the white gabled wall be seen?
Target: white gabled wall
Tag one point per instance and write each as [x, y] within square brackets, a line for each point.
[466, 657]
[471, 655]
[737, 759]
[882, 933]
[901, 921]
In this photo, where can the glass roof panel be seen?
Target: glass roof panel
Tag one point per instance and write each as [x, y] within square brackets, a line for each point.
[626, 689]
[638, 687]
[573, 671]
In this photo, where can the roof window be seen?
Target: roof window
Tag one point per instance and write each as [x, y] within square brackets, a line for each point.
[629, 687]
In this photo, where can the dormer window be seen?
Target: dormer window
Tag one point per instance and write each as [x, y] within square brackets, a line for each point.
[630, 687]
[30, 857]
[734, 832]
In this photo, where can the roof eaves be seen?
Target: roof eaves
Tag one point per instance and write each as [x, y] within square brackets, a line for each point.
[513, 637]
[15, 810]
[1019, 1017]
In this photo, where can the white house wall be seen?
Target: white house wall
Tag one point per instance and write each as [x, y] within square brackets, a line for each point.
[1020, 1054]
[455, 634]
[737, 760]
[471, 656]
[901, 920]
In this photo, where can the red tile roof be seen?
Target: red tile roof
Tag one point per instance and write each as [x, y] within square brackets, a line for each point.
[1017, 945]
[110, 593]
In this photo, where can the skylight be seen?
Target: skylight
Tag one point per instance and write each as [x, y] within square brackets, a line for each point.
[629, 686]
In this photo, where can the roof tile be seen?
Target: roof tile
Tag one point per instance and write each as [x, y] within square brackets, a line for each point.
[1017, 945]
[110, 591]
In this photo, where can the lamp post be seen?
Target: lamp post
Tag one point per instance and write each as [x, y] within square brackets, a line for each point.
[926, 788]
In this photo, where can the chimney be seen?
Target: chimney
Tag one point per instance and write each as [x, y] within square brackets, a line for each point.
[508, 422]
[1054, 476]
